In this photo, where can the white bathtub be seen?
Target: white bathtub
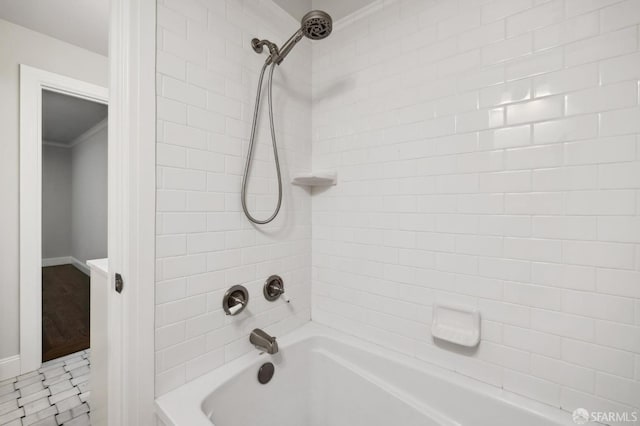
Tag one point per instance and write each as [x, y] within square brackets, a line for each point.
[326, 378]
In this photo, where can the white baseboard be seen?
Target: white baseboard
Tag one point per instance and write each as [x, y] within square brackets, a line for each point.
[81, 265]
[66, 260]
[55, 261]
[9, 367]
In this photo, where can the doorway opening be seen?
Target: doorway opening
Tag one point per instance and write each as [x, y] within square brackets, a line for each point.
[63, 211]
[74, 217]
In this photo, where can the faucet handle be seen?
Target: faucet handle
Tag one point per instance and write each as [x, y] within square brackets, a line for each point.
[274, 288]
[235, 300]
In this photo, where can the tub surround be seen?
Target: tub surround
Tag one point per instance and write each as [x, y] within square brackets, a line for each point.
[487, 154]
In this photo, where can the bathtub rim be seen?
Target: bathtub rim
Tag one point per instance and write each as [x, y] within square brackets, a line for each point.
[183, 405]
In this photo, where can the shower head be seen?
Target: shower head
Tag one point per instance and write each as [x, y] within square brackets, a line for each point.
[316, 25]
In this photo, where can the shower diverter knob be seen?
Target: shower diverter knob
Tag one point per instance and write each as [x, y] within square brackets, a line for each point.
[235, 300]
[273, 288]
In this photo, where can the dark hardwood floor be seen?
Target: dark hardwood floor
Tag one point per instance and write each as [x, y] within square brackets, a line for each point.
[65, 311]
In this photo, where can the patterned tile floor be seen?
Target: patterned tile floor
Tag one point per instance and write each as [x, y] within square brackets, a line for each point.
[56, 394]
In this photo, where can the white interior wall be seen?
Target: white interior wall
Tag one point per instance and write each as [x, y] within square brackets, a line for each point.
[207, 78]
[74, 199]
[56, 201]
[487, 155]
[89, 196]
[37, 50]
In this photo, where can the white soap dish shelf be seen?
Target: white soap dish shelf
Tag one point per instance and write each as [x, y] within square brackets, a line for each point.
[456, 324]
[315, 178]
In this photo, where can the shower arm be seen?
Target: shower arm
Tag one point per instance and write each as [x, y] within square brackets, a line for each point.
[258, 47]
[277, 55]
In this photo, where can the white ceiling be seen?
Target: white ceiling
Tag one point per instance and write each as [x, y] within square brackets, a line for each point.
[64, 117]
[84, 23]
[336, 8]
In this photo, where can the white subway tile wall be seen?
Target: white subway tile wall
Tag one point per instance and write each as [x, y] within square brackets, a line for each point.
[207, 79]
[488, 155]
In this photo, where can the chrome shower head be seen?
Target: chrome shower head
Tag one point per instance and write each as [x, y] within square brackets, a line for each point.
[316, 25]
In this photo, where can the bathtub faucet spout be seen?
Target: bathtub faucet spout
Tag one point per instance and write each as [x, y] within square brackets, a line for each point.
[263, 341]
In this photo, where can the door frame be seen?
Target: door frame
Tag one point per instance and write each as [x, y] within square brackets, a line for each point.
[32, 82]
[132, 134]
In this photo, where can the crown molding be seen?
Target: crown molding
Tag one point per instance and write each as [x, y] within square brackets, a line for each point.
[89, 133]
[56, 144]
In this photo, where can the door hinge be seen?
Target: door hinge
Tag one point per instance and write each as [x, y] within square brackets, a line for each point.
[119, 283]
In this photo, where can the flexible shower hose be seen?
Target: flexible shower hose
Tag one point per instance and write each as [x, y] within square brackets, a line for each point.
[247, 166]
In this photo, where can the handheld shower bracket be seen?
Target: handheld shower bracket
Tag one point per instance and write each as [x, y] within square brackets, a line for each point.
[258, 47]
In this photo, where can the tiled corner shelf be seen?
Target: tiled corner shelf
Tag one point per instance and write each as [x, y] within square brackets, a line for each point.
[316, 178]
